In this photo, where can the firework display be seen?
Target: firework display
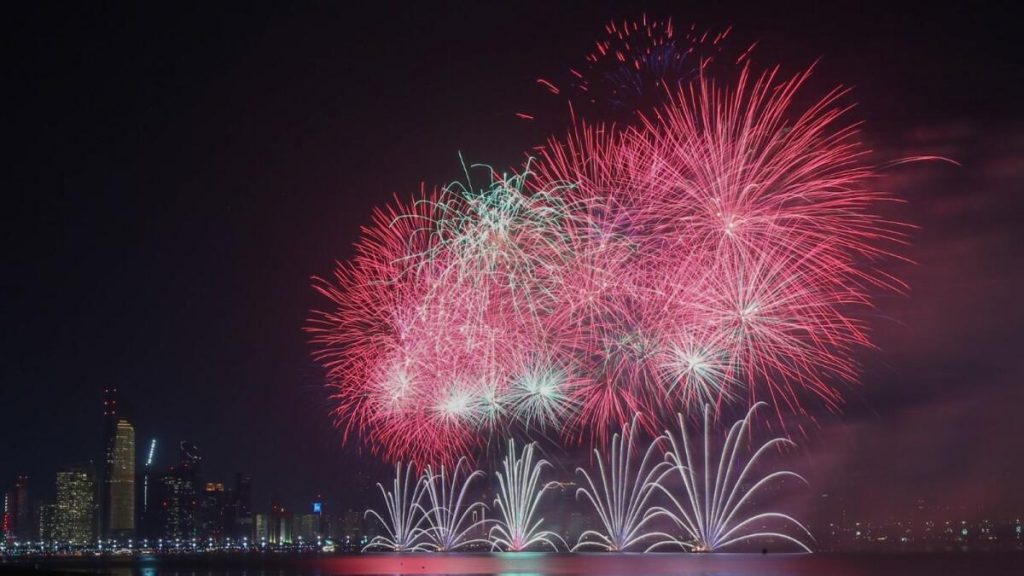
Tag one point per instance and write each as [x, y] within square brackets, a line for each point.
[450, 515]
[666, 496]
[712, 508]
[621, 497]
[714, 252]
[403, 514]
[636, 63]
[520, 490]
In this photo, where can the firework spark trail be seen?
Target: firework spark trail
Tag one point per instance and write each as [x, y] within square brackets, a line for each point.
[405, 514]
[519, 494]
[622, 499]
[448, 513]
[712, 506]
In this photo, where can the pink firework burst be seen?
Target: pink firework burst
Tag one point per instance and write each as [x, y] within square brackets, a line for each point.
[378, 357]
[753, 238]
[716, 251]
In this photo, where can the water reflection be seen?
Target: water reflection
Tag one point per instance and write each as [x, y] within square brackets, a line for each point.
[545, 564]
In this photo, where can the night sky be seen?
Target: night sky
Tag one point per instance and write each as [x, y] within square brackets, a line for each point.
[175, 174]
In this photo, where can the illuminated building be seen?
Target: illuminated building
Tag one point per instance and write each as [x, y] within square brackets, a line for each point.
[261, 532]
[352, 525]
[7, 517]
[22, 515]
[240, 509]
[177, 505]
[110, 406]
[213, 511]
[47, 520]
[121, 509]
[280, 528]
[307, 527]
[14, 518]
[15, 523]
[178, 495]
[74, 515]
[117, 496]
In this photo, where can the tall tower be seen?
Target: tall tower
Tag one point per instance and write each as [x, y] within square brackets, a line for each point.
[22, 520]
[121, 519]
[241, 506]
[117, 489]
[110, 398]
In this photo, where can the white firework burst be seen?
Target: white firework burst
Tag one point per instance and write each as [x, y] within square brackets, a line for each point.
[542, 397]
[713, 507]
[449, 518]
[622, 498]
[699, 372]
[404, 514]
[520, 491]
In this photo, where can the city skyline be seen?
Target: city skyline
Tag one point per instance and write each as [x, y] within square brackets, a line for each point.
[104, 500]
[181, 504]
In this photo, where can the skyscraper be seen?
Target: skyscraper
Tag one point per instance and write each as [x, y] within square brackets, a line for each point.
[280, 530]
[177, 505]
[15, 522]
[352, 526]
[47, 521]
[110, 401]
[74, 517]
[178, 490]
[239, 519]
[117, 490]
[307, 527]
[213, 512]
[22, 512]
[261, 531]
[121, 509]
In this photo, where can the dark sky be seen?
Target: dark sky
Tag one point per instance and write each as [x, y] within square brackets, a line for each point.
[176, 173]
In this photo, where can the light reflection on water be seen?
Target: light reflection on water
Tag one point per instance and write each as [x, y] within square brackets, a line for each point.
[545, 564]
